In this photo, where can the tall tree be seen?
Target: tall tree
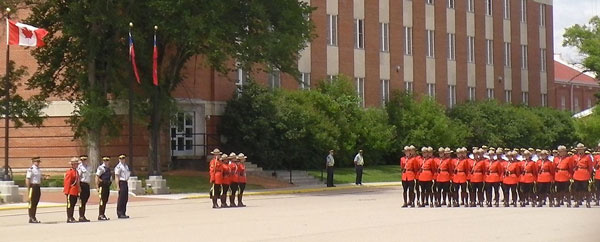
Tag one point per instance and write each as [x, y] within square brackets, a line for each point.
[586, 38]
[86, 54]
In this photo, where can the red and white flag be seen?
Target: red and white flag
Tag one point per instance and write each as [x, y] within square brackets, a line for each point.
[24, 35]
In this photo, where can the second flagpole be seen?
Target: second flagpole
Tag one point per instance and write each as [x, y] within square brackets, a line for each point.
[6, 103]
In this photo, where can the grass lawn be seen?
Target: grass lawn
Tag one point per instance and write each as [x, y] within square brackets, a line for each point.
[383, 173]
[176, 183]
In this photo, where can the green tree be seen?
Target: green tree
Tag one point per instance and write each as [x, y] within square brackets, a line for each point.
[85, 58]
[423, 123]
[586, 38]
[588, 128]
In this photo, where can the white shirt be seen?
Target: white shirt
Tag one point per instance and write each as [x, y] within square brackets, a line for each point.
[122, 170]
[85, 175]
[358, 160]
[330, 160]
[34, 174]
[101, 169]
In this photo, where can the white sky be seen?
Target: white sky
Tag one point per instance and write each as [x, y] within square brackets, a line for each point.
[568, 13]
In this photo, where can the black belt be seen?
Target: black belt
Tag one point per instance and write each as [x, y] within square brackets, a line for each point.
[122, 181]
[34, 185]
[563, 169]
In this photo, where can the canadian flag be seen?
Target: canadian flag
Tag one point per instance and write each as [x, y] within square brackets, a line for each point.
[25, 35]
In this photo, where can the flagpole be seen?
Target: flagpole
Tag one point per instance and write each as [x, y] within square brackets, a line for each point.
[6, 103]
[155, 137]
[130, 115]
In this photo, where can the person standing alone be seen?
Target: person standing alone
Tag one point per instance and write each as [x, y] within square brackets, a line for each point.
[359, 163]
[329, 165]
[121, 176]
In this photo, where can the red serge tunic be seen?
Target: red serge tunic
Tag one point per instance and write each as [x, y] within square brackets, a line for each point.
[530, 172]
[564, 169]
[583, 167]
[494, 172]
[427, 170]
[71, 186]
[597, 160]
[470, 172]
[211, 169]
[460, 171]
[512, 173]
[477, 172]
[445, 170]
[410, 168]
[241, 168]
[546, 171]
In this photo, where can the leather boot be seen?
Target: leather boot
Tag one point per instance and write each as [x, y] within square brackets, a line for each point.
[240, 203]
[232, 201]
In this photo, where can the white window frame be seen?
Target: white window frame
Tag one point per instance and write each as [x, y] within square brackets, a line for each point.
[408, 86]
[470, 49]
[525, 97]
[385, 91]
[305, 80]
[408, 45]
[360, 90]
[430, 2]
[576, 102]
[472, 93]
[430, 42]
[563, 102]
[507, 9]
[274, 79]
[543, 60]
[359, 33]
[385, 37]
[508, 96]
[470, 6]
[507, 54]
[451, 46]
[523, 11]
[488, 7]
[544, 97]
[490, 93]
[431, 90]
[489, 51]
[524, 59]
[332, 30]
[542, 14]
[331, 77]
[451, 96]
[242, 77]
[451, 4]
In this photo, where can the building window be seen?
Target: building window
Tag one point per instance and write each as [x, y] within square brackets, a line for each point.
[331, 77]
[275, 79]
[544, 100]
[470, 6]
[470, 49]
[490, 93]
[305, 81]
[385, 91]
[506, 9]
[359, 36]
[525, 96]
[507, 55]
[360, 90]
[508, 96]
[589, 103]
[408, 41]
[451, 3]
[523, 11]
[385, 37]
[242, 77]
[431, 89]
[576, 102]
[451, 96]
[408, 86]
[542, 14]
[430, 43]
[429, 2]
[451, 46]
[543, 63]
[563, 103]
[488, 7]
[332, 29]
[471, 93]
[524, 57]
[489, 53]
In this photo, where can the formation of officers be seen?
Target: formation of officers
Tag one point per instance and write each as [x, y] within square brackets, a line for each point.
[523, 177]
[227, 176]
[77, 182]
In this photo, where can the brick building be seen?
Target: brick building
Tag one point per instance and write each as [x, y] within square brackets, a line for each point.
[452, 50]
[574, 88]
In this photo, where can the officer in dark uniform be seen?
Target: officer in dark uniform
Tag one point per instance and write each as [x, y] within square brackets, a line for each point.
[121, 176]
[103, 181]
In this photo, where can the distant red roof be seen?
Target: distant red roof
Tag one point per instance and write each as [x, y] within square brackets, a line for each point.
[564, 72]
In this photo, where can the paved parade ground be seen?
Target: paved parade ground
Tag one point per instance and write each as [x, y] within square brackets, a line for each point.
[357, 214]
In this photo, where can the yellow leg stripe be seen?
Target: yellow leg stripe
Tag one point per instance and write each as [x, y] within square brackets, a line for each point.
[100, 195]
[30, 193]
[69, 201]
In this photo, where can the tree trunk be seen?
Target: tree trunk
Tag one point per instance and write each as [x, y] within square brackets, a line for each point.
[93, 142]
